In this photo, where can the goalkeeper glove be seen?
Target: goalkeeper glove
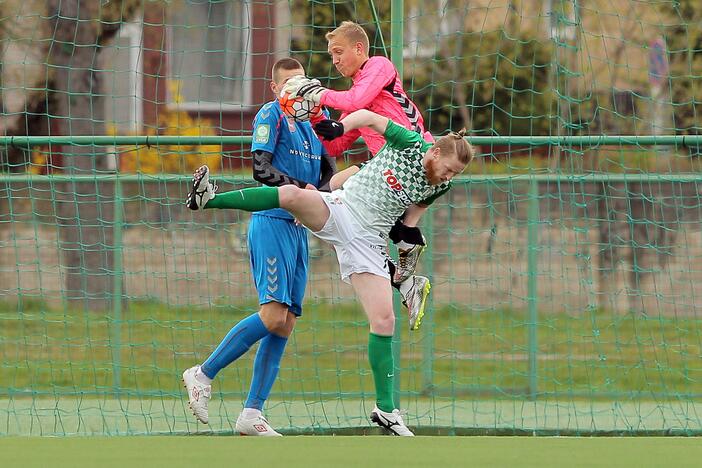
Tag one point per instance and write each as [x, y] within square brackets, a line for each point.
[329, 129]
[307, 88]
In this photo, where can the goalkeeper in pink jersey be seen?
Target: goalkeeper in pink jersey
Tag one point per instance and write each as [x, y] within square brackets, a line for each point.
[377, 87]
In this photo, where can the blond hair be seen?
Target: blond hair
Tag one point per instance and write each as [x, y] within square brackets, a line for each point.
[455, 143]
[351, 31]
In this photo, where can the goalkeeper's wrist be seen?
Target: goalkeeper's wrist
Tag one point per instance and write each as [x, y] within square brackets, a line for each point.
[322, 95]
[318, 117]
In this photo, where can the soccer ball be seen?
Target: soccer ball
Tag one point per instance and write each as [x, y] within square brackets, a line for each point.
[300, 109]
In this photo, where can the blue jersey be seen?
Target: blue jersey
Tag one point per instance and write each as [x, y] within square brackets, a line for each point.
[295, 147]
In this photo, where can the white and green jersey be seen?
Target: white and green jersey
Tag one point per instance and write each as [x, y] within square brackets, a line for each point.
[389, 183]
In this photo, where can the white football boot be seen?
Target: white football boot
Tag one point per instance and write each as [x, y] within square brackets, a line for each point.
[256, 426]
[391, 421]
[415, 291]
[199, 394]
[407, 262]
[202, 189]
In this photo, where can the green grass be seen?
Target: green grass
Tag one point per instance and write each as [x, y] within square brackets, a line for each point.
[313, 451]
[592, 355]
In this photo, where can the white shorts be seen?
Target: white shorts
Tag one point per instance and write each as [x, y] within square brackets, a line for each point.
[357, 249]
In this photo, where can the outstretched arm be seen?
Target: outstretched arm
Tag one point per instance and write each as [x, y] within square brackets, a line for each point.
[378, 72]
[332, 129]
[337, 146]
[340, 177]
[365, 118]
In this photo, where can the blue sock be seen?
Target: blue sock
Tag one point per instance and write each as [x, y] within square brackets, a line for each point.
[265, 370]
[236, 343]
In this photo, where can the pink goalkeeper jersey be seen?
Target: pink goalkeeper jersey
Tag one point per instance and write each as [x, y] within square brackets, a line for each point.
[371, 90]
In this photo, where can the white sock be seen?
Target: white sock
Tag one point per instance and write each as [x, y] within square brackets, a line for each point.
[201, 377]
[406, 285]
[404, 245]
[251, 413]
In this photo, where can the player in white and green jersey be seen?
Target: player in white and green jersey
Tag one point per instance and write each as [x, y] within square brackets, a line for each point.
[392, 181]
[406, 174]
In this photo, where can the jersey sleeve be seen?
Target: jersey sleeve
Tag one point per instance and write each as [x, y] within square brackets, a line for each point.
[399, 137]
[378, 72]
[266, 128]
[266, 173]
[432, 198]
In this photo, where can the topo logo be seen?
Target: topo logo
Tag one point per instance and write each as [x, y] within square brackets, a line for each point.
[391, 180]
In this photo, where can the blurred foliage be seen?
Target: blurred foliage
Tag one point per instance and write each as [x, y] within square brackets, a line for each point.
[155, 159]
[683, 37]
[505, 82]
[40, 161]
[172, 158]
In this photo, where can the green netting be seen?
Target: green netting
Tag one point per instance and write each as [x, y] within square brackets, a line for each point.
[565, 262]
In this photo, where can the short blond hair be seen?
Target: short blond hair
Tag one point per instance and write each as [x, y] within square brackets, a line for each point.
[353, 32]
[455, 143]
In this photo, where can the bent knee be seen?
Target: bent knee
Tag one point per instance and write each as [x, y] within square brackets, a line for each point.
[274, 316]
[278, 323]
[383, 323]
[288, 195]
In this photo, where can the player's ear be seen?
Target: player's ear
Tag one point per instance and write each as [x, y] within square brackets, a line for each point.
[437, 152]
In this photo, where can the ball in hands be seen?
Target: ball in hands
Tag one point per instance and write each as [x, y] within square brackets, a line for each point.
[298, 108]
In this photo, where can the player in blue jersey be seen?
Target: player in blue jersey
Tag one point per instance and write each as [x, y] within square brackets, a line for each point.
[284, 153]
[407, 174]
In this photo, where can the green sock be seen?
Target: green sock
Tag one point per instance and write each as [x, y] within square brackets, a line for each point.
[380, 357]
[248, 199]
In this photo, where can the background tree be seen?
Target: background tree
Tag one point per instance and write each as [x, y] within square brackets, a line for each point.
[86, 209]
[684, 42]
[24, 43]
[51, 84]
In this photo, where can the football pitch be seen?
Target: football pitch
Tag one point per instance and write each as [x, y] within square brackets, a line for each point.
[365, 451]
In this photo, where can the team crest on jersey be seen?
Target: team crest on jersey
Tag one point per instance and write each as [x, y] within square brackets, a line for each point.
[263, 132]
[392, 182]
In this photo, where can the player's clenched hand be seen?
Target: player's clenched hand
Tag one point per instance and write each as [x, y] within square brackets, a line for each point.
[308, 88]
[329, 129]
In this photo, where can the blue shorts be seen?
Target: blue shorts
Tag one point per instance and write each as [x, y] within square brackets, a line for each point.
[278, 253]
